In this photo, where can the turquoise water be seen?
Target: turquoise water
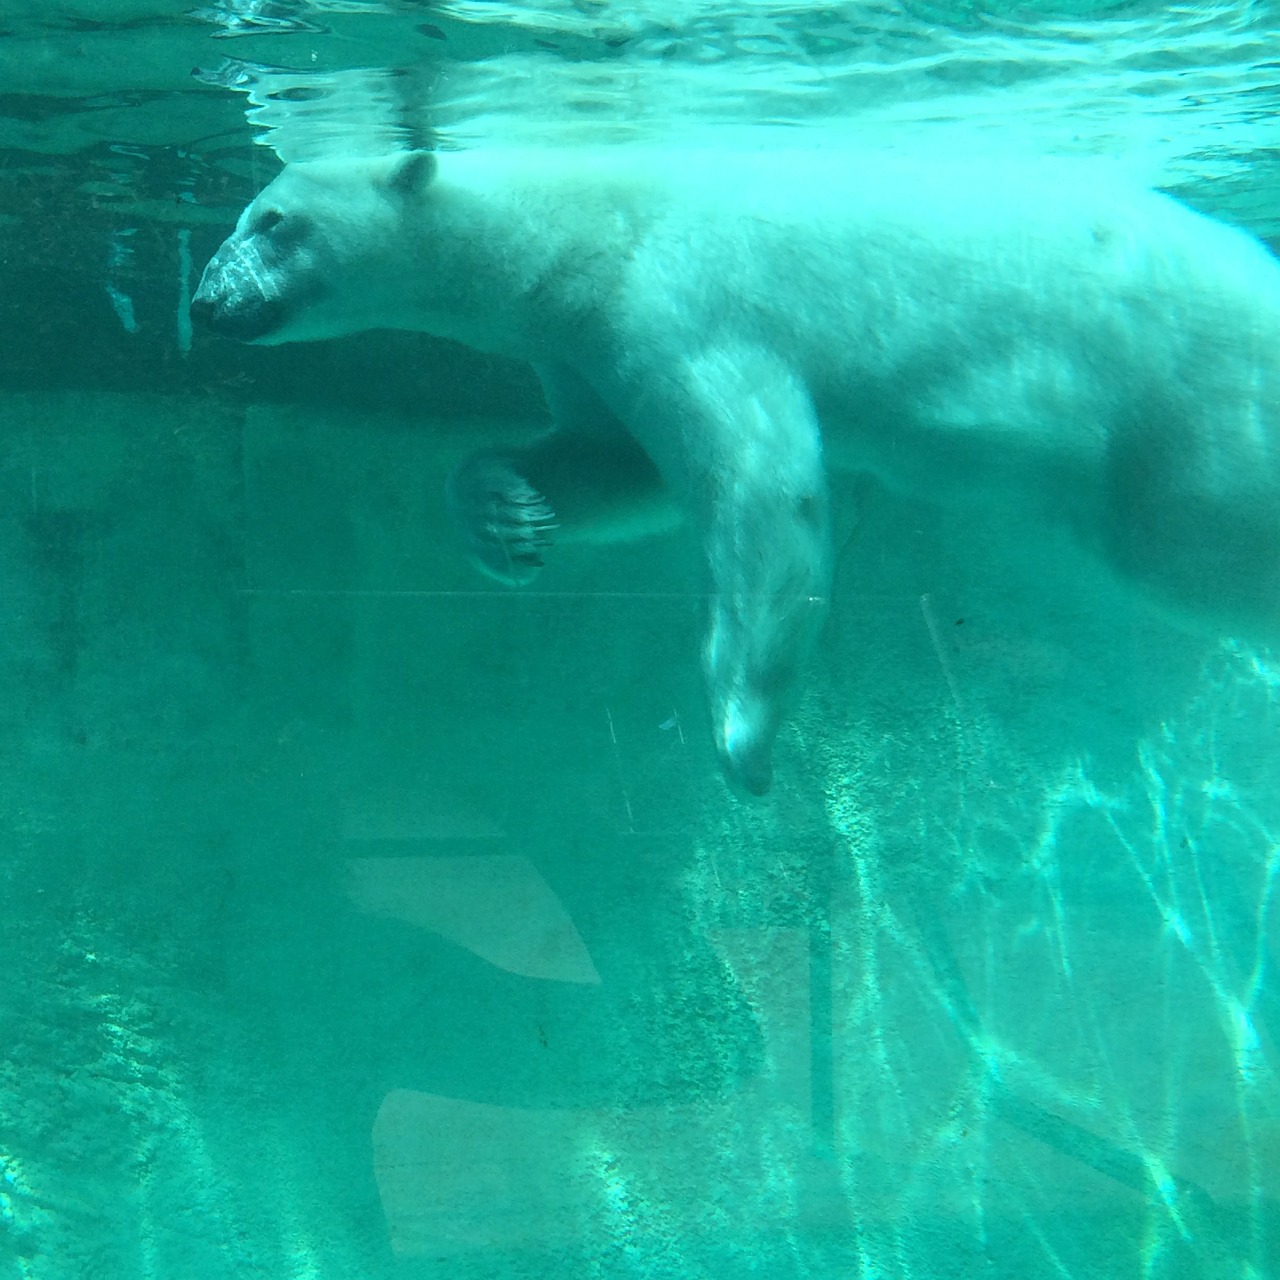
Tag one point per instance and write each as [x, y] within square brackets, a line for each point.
[363, 919]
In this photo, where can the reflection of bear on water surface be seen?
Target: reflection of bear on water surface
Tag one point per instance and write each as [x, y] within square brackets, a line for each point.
[706, 324]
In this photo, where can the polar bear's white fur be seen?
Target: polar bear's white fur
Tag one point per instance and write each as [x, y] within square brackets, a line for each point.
[704, 323]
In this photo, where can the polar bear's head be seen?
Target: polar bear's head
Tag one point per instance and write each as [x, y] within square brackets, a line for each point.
[321, 252]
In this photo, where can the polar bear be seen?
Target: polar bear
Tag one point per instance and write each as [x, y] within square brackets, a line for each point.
[706, 324]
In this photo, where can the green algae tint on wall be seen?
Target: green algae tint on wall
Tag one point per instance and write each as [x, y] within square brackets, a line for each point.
[362, 917]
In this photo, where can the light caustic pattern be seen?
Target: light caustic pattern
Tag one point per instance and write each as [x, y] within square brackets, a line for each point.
[1083, 1036]
[114, 1175]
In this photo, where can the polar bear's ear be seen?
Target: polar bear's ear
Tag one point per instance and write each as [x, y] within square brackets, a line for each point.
[412, 172]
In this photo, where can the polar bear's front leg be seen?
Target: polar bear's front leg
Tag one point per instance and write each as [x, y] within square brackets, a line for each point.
[748, 457]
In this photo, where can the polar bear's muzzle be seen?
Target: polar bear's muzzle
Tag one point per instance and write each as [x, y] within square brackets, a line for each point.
[240, 296]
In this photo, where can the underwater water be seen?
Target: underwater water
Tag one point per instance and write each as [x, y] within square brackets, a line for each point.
[363, 918]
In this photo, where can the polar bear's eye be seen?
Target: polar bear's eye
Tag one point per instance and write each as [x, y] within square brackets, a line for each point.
[269, 218]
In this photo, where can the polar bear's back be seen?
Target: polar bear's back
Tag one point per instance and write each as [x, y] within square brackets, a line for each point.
[1050, 302]
[869, 246]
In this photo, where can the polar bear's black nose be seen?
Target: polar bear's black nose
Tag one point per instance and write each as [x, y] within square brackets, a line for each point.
[243, 315]
[240, 294]
[202, 310]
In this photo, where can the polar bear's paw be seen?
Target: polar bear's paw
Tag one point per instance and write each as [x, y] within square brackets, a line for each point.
[744, 733]
[506, 522]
